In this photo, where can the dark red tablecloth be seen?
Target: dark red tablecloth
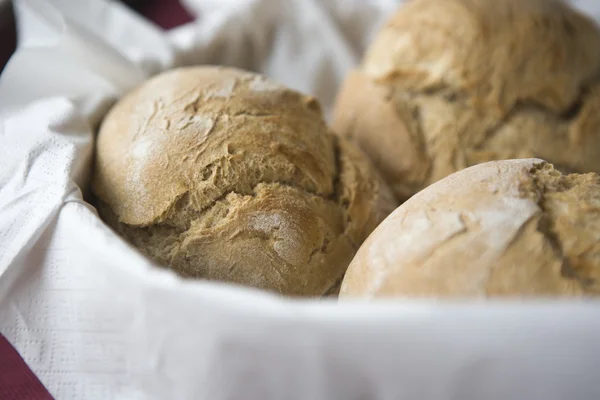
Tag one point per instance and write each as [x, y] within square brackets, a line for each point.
[17, 382]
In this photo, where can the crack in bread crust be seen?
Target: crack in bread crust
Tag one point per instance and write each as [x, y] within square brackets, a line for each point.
[555, 192]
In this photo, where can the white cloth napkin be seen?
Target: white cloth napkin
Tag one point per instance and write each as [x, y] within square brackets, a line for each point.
[96, 320]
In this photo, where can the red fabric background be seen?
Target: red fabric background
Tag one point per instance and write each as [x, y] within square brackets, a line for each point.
[17, 382]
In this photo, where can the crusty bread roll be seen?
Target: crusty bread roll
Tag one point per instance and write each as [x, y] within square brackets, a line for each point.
[502, 228]
[452, 83]
[222, 174]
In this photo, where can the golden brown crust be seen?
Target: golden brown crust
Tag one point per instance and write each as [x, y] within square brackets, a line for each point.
[503, 228]
[495, 50]
[222, 174]
[452, 83]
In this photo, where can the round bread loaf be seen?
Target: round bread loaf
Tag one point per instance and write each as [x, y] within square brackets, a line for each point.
[502, 228]
[452, 83]
[221, 174]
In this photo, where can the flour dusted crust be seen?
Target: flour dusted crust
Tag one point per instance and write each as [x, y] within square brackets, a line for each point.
[452, 83]
[503, 228]
[222, 174]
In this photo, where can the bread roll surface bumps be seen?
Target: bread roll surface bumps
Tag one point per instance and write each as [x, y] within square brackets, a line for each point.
[222, 174]
[451, 83]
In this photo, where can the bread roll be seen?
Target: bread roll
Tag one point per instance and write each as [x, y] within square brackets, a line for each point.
[221, 174]
[503, 228]
[451, 83]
